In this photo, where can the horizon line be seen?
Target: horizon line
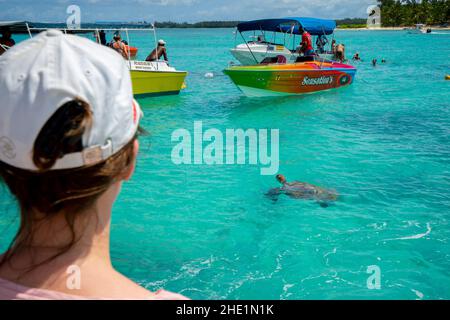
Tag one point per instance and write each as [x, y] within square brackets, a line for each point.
[167, 21]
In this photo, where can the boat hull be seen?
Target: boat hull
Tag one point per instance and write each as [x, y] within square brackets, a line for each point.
[291, 79]
[155, 78]
[156, 83]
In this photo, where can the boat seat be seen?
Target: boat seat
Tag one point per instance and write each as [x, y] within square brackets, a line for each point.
[269, 60]
[305, 59]
[281, 59]
[274, 60]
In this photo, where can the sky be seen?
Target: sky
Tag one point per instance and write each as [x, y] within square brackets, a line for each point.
[180, 10]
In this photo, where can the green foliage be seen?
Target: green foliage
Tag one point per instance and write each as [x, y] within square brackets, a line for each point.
[352, 26]
[397, 13]
[203, 24]
[348, 22]
[351, 22]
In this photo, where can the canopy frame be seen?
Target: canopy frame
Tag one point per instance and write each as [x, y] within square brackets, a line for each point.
[294, 25]
[22, 27]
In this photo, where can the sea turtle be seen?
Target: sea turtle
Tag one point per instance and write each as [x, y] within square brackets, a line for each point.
[302, 190]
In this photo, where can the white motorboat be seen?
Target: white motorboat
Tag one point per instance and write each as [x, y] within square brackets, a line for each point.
[258, 48]
[419, 29]
[149, 78]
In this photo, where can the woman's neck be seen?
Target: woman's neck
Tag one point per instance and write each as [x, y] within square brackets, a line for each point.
[55, 245]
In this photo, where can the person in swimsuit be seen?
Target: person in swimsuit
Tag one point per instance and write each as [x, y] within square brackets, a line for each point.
[340, 52]
[357, 57]
[118, 45]
[302, 190]
[158, 52]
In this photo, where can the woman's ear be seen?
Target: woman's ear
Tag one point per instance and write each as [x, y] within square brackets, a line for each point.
[132, 167]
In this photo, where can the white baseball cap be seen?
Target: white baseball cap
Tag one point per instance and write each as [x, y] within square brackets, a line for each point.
[40, 75]
[161, 41]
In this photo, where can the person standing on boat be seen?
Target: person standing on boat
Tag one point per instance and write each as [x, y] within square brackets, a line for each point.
[102, 36]
[118, 45]
[158, 52]
[340, 52]
[6, 41]
[306, 46]
[321, 42]
[333, 47]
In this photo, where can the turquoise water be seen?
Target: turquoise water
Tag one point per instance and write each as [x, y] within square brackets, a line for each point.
[383, 143]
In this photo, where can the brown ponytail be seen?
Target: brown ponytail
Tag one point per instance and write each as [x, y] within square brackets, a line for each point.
[62, 134]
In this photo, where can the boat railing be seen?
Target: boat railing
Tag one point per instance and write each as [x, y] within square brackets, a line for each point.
[300, 59]
[87, 30]
[96, 31]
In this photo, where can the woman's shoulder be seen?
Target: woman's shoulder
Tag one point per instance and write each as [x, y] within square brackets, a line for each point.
[13, 291]
[167, 295]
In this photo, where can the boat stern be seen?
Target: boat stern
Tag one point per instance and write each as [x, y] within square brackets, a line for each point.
[155, 79]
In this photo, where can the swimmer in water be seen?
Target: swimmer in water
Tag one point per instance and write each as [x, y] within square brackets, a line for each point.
[374, 62]
[357, 57]
[302, 190]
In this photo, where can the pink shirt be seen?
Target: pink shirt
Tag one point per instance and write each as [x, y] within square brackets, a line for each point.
[13, 291]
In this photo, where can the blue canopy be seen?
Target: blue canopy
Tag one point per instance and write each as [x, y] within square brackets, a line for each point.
[290, 25]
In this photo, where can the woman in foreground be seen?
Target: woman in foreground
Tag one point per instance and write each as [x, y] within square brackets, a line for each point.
[68, 140]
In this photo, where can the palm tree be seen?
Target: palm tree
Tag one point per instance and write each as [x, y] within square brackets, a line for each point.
[410, 12]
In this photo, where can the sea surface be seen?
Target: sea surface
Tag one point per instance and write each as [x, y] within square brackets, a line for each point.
[209, 232]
